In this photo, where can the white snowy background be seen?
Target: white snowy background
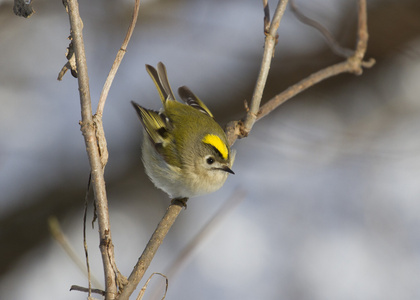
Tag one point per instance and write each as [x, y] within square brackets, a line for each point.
[331, 178]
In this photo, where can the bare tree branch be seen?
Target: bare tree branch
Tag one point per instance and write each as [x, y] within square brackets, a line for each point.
[85, 245]
[223, 212]
[96, 144]
[118, 60]
[89, 134]
[332, 43]
[353, 64]
[152, 246]
[143, 289]
[362, 40]
[270, 42]
[86, 290]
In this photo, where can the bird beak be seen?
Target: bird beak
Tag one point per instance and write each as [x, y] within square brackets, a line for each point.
[227, 169]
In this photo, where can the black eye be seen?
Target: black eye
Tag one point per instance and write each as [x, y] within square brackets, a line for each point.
[210, 160]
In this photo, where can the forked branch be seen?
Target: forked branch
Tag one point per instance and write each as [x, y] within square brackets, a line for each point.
[92, 130]
[92, 127]
[353, 64]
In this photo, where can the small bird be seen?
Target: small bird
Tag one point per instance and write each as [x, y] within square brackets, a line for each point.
[185, 151]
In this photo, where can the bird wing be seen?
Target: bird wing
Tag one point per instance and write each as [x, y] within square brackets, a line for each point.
[192, 100]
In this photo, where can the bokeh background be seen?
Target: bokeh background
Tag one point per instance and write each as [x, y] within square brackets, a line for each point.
[330, 179]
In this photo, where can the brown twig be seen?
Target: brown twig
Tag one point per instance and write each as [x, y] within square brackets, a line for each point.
[160, 233]
[331, 41]
[96, 146]
[118, 60]
[87, 290]
[223, 212]
[88, 131]
[143, 289]
[362, 40]
[85, 245]
[270, 42]
[266, 16]
[97, 118]
[152, 246]
[353, 64]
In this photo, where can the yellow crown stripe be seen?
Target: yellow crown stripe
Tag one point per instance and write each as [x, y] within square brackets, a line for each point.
[217, 143]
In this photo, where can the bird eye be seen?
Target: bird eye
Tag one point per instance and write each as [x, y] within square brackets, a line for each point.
[210, 160]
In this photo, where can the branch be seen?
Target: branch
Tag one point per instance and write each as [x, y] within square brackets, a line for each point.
[87, 290]
[118, 60]
[270, 42]
[222, 213]
[143, 289]
[152, 246]
[353, 64]
[332, 43]
[88, 131]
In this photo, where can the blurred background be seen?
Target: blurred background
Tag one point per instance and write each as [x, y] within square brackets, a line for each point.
[330, 179]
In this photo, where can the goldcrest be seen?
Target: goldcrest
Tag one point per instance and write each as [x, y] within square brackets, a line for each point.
[185, 151]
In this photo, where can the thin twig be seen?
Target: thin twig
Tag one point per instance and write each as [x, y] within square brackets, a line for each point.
[99, 130]
[331, 41]
[143, 289]
[299, 87]
[270, 42]
[266, 16]
[86, 290]
[60, 237]
[152, 246]
[118, 59]
[224, 211]
[85, 245]
[354, 64]
[88, 131]
[97, 118]
[174, 209]
[363, 35]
